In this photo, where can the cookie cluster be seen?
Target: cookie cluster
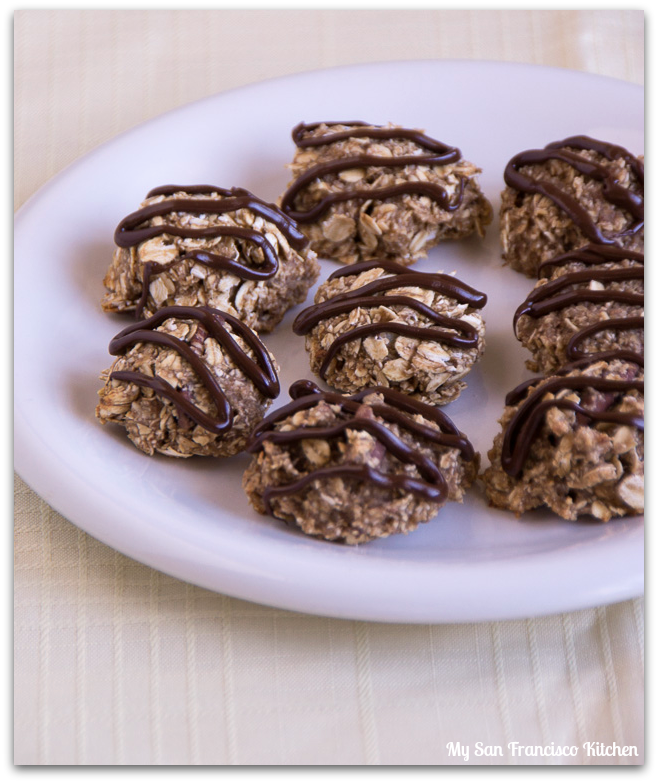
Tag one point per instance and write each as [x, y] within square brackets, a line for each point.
[572, 439]
[206, 271]
[203, 269]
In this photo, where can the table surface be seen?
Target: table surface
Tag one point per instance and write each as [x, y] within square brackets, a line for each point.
[118, 664]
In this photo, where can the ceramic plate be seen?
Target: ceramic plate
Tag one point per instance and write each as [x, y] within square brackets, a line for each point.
[190, 518]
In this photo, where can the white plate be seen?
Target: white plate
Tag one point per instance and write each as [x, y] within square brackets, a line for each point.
[190, 518]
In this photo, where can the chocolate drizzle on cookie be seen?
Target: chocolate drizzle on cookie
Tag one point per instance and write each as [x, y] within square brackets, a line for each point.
[613, 191]
[397, 408]
[548, 298]
[260, 371]
[131, 231]
[590, 255]
[437, 154]
[461, 334]
[526, 422]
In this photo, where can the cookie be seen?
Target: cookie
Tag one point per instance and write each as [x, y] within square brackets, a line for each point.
[357, 468]
[567, 195]
[188, 381]
[207, 246]
[573, 442]
[362, 191]
[379, 323]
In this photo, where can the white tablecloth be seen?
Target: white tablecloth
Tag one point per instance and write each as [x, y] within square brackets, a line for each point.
[118, 664]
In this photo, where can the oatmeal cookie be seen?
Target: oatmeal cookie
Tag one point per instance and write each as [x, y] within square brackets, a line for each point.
[356, 468]
[188, 381]
[573, 441]
[571, 193]
[379, 324]
[202, 245]
[362, 191]
[584, 308]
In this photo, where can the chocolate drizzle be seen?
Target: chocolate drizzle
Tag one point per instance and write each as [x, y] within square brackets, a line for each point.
[590, 255]
[438, 154]
[613, 191]
[358, 129]
[619, 324]
[616, 354]
[131, 232]
[462, 334]
[524, 425]
[261, 371]
[397, 408]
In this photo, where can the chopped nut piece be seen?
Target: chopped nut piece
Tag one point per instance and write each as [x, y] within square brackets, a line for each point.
[631, 491]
